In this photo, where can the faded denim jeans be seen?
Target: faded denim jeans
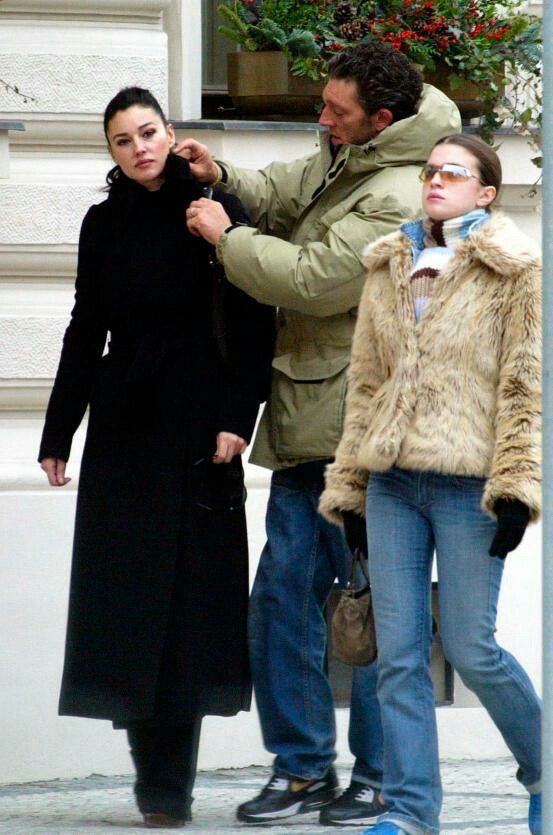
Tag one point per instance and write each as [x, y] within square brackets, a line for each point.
[287, 637]
[409, 516]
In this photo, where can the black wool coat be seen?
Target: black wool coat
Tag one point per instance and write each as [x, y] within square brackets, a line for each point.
[159, 581]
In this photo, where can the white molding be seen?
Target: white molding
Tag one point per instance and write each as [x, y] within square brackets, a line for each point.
[56, 40]
[34, 261]
[64, 132]
[140, 10]
[24, 395]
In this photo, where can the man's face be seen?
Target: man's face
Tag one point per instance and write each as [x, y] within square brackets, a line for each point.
[343, 114]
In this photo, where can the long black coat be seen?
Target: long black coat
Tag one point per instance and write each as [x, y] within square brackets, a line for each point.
[158, 597]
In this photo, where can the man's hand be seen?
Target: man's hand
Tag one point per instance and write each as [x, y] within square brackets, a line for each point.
[228, 445]
[55, 470]
[201, 161]
[207, 219]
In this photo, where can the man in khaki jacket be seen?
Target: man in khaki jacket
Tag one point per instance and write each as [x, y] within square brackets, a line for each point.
[313, 218]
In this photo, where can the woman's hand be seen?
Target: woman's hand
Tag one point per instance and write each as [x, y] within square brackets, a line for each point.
[201, 162]
[355, 531]
[512, 519]
[228, 445]
[207, 219]
[55, 470]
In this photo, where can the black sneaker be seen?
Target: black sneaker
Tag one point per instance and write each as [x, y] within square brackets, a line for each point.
[283, 797]
[357, 806]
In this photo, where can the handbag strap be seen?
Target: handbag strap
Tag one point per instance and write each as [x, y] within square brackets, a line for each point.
[358, 559]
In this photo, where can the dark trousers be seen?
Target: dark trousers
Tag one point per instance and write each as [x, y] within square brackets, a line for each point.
[165, 758]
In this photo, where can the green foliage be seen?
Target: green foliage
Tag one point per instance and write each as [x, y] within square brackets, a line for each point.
[482, 41]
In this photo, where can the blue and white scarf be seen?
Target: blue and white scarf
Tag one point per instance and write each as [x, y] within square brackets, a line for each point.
[434, 242]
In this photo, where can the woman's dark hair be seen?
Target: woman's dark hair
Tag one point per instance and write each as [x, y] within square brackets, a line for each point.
[129, 97]
[385, 78]
[125, 98]
[489, 164]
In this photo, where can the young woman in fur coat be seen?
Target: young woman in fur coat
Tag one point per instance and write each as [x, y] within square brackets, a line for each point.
[156, 635]
[441, 453]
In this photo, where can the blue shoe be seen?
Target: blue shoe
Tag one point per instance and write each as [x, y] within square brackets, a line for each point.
[534, 814]
[390, 829]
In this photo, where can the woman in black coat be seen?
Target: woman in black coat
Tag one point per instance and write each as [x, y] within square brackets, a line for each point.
[156, 633]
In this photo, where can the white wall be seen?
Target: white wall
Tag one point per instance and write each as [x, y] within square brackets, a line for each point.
[72, 57]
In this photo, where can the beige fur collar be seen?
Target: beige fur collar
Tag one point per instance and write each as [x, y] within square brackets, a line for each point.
[499, 245]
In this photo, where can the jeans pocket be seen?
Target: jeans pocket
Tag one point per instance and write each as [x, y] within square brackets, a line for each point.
[469, 482]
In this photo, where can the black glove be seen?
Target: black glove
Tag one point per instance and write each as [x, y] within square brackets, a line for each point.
[512, 518]
[355, 531]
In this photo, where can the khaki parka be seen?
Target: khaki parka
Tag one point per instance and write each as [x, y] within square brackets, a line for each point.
[314, 217]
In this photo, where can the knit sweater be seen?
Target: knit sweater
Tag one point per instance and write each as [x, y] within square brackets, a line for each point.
[440, 238]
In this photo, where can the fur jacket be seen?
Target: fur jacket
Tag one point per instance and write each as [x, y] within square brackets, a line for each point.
[459, 391]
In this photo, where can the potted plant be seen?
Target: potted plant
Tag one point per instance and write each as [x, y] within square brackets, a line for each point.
[484, 53]
[279, 67]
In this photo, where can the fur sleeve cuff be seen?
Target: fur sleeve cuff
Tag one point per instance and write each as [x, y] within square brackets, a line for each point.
[346, 486]
[527, 491]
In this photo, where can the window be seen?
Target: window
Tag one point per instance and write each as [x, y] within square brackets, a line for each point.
[215, 48]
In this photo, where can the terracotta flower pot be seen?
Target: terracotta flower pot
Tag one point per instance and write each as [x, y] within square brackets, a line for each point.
[466, 96]
[261, 82]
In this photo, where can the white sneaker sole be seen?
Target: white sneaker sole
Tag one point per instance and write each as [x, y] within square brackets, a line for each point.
[302, 808]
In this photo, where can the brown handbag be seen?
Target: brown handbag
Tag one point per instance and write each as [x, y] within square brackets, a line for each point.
[352, 625]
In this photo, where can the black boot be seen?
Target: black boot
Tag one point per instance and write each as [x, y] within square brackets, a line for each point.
[165, 758]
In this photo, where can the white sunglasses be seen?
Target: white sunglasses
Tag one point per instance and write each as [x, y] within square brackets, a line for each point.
[449, 172]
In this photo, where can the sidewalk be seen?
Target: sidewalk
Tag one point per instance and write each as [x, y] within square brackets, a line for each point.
[480, 796]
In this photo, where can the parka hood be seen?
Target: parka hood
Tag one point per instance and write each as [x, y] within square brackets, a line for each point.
[407, 142]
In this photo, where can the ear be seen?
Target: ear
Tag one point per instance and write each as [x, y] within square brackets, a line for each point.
[487, 195]
[170, 134]
[110, 152]
[383, 118]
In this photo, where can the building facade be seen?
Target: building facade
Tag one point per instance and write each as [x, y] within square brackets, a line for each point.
[60, 63]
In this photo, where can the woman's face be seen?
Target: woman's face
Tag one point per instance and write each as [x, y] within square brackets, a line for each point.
[444, 196]
[139, 143]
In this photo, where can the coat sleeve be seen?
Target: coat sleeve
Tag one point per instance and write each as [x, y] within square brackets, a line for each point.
[516, 464]
[321, 278]
[250, 338]
[251, 343]
[83, 344]
[271, 196]
[346, 481]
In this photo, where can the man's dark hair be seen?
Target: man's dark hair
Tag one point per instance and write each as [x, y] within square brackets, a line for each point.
[128, 97]
[385, 78]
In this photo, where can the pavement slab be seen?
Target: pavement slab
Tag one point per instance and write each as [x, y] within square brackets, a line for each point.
[479, 796]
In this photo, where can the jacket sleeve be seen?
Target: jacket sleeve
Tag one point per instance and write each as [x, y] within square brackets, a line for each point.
[271, 196]
[346, 481]
[83, 344]
[322, 278]
[516, 464]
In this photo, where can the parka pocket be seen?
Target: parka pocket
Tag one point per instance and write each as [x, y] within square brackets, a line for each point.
[307, 406]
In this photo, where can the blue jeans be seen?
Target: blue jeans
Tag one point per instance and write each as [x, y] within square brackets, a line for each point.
[287, 637]
[409, 515]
